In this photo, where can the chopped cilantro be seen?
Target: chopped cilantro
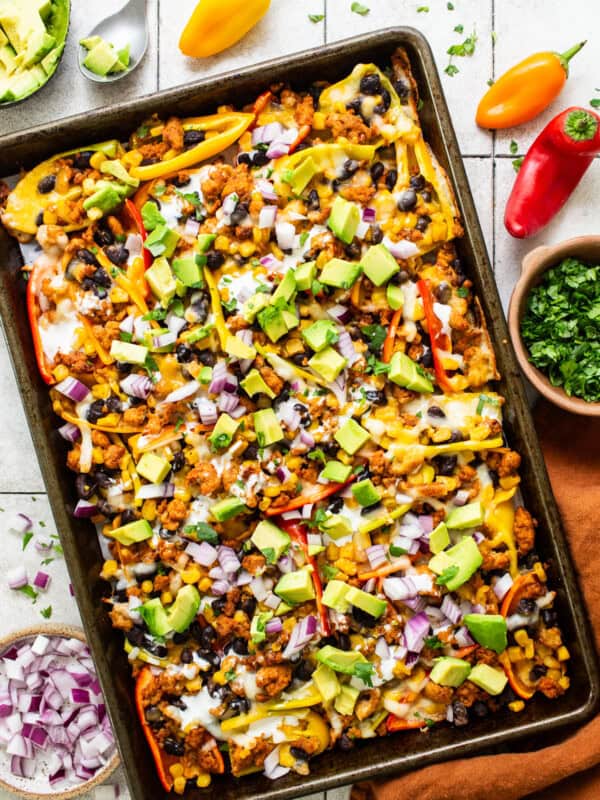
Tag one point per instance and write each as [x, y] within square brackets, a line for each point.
[316, 287]
[176, 307]
[230, 675]
[203, 532]
[303, 238]
[26, 539]
[375, 335]
[517, 163]
[229, 305]
[466, 48]
[364, 670]
[483, 400]
[595, 102]
[124, 336]
[142, 131]
[462, 291]
[423, 10]
[179, 423]
[451, 70]
[29, 591]
[397, 551]
[358, 8]
[329, 572]
[318, 455]
[159, 189]
[47, 561]
[46, 612]
[433, 643]
[376, 367]
[450, 6]
[156, 314]
[513, 147]
[269, 554]
[316, 17]
[459, 28]
[447, 575]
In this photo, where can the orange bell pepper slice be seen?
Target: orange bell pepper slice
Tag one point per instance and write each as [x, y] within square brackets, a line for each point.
[162, 760]
[34, 287]
[515, 683]
[302, 134]
[515, 593]
[388, 344]
[309, 499]
[394, 723]
[465, 651]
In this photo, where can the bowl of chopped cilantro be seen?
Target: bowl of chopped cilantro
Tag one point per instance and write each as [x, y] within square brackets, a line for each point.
[554, 319]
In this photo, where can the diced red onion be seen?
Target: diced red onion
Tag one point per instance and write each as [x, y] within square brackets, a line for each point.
[289, 135]
[273, 626]
[140, 327]
[271, 600]
[220, 588]
[368, 215]
[315, 539]
[17, 578]
[219, 373]
[264, 134]
[347, 349]
[164, 339]
[84, 509]
[42, 580]
[183, 392]
[307, 511]
[207, 410]
[191, 228]
[285, 234]
[301, 635]
[217, 574]
[5, 710]
[502, 585]
[478, 536]
[258, 588]
[461, 497]
[338, 387]
[228, 559]
[283, 473]
[228, 402]
[296, 514]
[451, 610]
[138, 386]
[426, 522]
[462, 636]
[415, 631]
[278, 149]
[174, 323]
[127, 324]
[266, 217]
[69, 432]
[399, 588]
[21, 523]
[273, 769]
[270, 262]
[134, 243]
[22, 767]
[203, 553]
[377, 556]
[19, 746]
[151, 491]
[73, 389]
[229, 204]
[402, 249]
[243, 578]
[340, 313]
[266, 189]
[285, 564]
[382, 649]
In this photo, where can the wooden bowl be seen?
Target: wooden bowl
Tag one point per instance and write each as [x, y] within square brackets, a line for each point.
[66, 631]
[535, 263]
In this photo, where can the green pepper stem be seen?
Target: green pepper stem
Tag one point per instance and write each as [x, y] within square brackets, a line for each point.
[565, 57]
[581, 126]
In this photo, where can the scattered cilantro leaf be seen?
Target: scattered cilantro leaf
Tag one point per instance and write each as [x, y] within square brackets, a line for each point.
[433, 643]
[595, 102]
[47, 561]
[513, 147]
[318, 455]
[124, 336]
[26, 539]
[459, 28]
[269, 554]
[462, 291]
[451, 70]
[423, 10]
[29, 591]
[329, 572]
[358, 8]
[230, 675]
[46, 612]
[375, 336]
[364, 670]
[229, 305]
[450, 6]
[316, 17]
[203, 532]
[466, 48]
[376, 367]
[447, 575]
[517, 163]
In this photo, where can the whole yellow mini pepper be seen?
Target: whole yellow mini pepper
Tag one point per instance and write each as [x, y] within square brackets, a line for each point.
[217, 24]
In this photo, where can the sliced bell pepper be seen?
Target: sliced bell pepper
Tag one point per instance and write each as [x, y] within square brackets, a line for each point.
[162, 760]
[124, 429]
[34, 287]
[465, 651]
[394, 723]
[437, 338]
[104, 357]
[310, 498]
[432, 450]
[298, 531]
[302, 134]
[230, 126]
[261, 102]
[516, 684]
[516, 592]
[136, 218]
[217, 308]
[388, 344]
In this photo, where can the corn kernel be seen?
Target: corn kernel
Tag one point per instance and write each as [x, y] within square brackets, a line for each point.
[149, 510]
[247, 249]
[176, 770]
[97, 455]
[221, 243]
[109, 569]
[194, 685]
[347, 551]
[554, 674]
[540, 571]
[564, 682]
[118, 295]
[529, 650]
[332, 551]
[542, 650]
[521, 638]
[182, 493]
[319, 121]
[147, 587]
[344, 457]
[166, 598]
[517, 705]
[179, 785]
[347, 566]
[97, 159]
[563, 654]
[60, 372]
[202, 781]
[110, 420]
[89, 349]
[515, 653]
[286, 759]
[101, 391]
[204, 584]
[191, 574]
[219, 677]
[551, 662]
[272, 491]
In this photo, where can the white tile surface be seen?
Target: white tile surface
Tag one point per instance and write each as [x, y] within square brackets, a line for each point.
[521, 27]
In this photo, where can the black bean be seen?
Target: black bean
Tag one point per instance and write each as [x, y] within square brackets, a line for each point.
[173, 747]
[39, 220]
[210, 656]
[312, 202]
[363, 618]
[219, 605]
[207, 357]
[239, 213]
[376, 234]
[346, 742]
[461, 715]
[391, 178]
[299, 753]
[353, 250]
[402, 88]
[417, 182]
[179, 180]
[370, 84]
[299, 358]
[113, 404]
[436, 411]
[248, 605]
[480, 709]
[426, 195]
[260, 158]
[423, 223]
[95, 411]
[184, 353]
[103, 237]
[87, 257]
[85, 486]
[386, 99]
[445, 464]
[349, 168]
[128, 516]
[344, 642]
[507, 696]
[166, 534]
[251, 452]
[47, 184]
[200, 308]
[456, 436]
[176, 701]
[530, 559]
[538, 671]
[443, 292]
[192, 138]
[102, 476]
[336, 505]
[526, 606]
[335, 185]
[376, 396]
[81, 160]
[187, 656]
[407, 200]
[207, 636]
[377, 171]
[102, 278]
[135, 636]
[240, 646]
[304, 670]
[214, 259]
[240, 705]
[315, 92]
[180, 638]
[153, 714]
[244, 158]
[549, 617]
[117, 253]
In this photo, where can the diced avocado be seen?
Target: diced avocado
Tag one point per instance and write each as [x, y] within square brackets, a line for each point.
[152, 467]
[449, 671]
[234, 346]
[290, 319]
[254, 383]
[336, 472]
[336, 526]
[204, 241]
[295, 587]
[335, 596]
[315, 549]
[465, 555]
[205, 375]
[468, 516]
[282, 608]
[488, 630]
[320, 334]
[285, 290]
[346, 700]
[255, 304]
[339, 273]
[366, 602]
[101, 59]
[272, 322]
[125, 55]
[267, 427]
[183, 611]
[20, 85]
[228, 508]
[162, 241]
[343, 661]
[379, 264]
[326, 682]
[365, 493]
[395, 296]
[257, 626]
[154, 615]
[407, 373]
[344, 219]
[488, 678]
[127, 352]
[223, 432]
[133, 532]
[351, 436]
[270, 540]
[116, 169]
[305, 274]
[187, 271]
[439, 538]
[328, 363]
[105, 198]
[302, 175]
[161, 280]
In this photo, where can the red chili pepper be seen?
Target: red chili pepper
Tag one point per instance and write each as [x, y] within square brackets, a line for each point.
[553, 166]
[298, 531]
[438, 340]
[34, 286]
[137, 220]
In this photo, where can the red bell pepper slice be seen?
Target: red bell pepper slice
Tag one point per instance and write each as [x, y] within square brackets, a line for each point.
[162, 760]
[137, 220]
[439, 341]
[308, 499]
[302, 134]
[34, 287]
[394, 723]
[298, 531]
[261, 102]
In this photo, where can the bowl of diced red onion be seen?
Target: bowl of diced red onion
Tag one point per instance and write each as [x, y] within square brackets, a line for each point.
[55, 736]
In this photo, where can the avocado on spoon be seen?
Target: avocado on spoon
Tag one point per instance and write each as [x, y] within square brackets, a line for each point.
[116, 46]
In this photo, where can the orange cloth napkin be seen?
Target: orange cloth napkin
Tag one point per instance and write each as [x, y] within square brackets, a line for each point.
[570, 768]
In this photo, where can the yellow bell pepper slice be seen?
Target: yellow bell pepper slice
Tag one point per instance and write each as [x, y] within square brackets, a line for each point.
[217, 308]
[68, 417]
[307, 696]
[25, 202]
[243, 720]
[231, 126]
[215, 25]
[105, 357]
[286, 369]
[385, 519]
[324, 156]
[432, 450]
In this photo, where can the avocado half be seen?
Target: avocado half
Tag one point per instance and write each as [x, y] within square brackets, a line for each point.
[58, 27]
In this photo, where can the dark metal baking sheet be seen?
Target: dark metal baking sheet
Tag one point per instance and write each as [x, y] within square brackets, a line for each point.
[375, 757]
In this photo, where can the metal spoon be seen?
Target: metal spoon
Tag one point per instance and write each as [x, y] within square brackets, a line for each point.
[127, 26]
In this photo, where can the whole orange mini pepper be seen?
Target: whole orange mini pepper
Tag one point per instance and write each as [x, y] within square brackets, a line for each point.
[525, 90]
[217, 24]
